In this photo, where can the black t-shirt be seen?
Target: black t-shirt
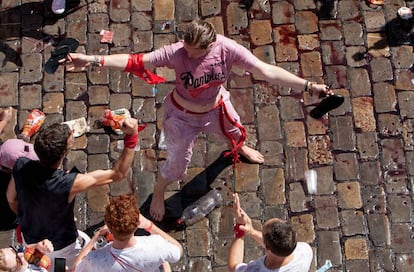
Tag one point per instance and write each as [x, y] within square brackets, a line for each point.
[8, 217]
[44, 211]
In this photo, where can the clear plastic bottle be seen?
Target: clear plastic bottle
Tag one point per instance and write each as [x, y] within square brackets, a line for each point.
[201, 207]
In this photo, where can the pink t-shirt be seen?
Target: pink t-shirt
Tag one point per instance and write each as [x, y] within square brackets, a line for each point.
[200, 80]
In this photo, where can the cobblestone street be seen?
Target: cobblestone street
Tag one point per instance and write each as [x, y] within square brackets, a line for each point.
[361, 218]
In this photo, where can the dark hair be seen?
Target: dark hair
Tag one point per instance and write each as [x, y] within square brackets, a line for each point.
[279, 237]
[199, 33]
[51, 143]
[122, 215]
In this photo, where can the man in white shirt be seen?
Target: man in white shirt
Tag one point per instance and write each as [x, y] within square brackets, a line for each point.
[128, 252]
[283, 252]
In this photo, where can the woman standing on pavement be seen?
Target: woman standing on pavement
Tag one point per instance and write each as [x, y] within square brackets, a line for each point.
[199, 103]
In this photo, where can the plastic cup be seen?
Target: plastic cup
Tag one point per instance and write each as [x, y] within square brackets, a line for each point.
[311, 181]
[405, 13]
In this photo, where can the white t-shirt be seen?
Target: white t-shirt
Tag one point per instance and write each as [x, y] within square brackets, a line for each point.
[146, 256]
[32, 268]
[302, 259]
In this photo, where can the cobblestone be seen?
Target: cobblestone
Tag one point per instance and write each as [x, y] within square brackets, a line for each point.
[361, 215]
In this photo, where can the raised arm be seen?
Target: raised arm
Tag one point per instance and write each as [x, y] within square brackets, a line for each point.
[121, 167]
[243, 226]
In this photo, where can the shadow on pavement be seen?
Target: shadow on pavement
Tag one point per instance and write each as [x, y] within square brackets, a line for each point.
[36, 16]
[193, 190]
[397, 32]
[175, 204]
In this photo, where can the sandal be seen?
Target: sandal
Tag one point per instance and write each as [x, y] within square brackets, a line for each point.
[60, 53]
[327, 104]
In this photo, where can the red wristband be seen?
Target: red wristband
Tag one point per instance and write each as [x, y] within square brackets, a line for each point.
[150, 227]
[131, 141]
[238, 233]
[102, 62]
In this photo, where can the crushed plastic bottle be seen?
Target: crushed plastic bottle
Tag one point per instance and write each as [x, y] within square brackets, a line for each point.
[79, 126]
[34, 256]
[112, 119]
[201, 207]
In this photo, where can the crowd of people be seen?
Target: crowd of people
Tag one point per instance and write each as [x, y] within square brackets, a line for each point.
[42, 194]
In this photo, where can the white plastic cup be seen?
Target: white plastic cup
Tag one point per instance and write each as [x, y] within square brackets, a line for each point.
[311, 181]
[405, 13]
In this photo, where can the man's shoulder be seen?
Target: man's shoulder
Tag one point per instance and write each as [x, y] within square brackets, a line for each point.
[304, 247]
[96, 255]
[253, 266]
[302, 259]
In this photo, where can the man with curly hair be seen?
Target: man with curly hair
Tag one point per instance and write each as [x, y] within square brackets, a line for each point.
[43, 194]
[128, 252]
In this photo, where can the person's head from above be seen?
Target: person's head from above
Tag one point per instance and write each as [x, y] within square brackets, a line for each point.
[198, 37]
[10, 260]
[279, 237]
[13, 149]
[122, 216]
[53, 143]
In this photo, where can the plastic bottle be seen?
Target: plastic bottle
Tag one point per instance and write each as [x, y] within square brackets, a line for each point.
[311, 181]
[34, 256]
[200, 208]
[79, 126]
[32, 125]
[112, 118]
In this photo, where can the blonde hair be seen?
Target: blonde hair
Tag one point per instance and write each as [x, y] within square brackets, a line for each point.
[199, 33]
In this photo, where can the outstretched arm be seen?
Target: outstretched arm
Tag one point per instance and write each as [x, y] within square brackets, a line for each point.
[277, 75]
[116, 61]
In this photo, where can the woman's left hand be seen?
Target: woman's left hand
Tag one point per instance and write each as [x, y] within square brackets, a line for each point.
[321, 90]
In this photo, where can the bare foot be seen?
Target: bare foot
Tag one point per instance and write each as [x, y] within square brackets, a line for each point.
[252, 155]
[157, 209]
